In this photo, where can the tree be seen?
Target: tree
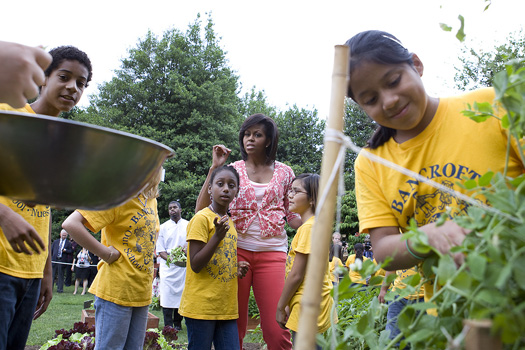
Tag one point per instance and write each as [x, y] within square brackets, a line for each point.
[478, 66]
[180, 91]
[359, 127]
[300, 139]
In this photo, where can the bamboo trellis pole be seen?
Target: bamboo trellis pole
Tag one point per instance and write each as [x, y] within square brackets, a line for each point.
[322, 230]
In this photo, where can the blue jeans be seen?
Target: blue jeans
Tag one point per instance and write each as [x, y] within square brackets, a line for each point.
[119, 327]
[202, 333]
[394, 309]
[18, 299]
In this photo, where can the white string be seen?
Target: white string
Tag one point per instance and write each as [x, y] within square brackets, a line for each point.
[65, 263]
[346, 142]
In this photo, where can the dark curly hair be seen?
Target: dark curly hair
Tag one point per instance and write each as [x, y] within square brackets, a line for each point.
[63, 53]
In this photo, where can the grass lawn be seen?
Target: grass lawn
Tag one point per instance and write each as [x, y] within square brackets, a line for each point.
[65, 309]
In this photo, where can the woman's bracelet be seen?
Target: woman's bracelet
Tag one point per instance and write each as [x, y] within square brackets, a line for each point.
[412, 253]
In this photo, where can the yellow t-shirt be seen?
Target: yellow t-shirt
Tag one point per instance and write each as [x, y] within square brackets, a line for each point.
[451, 147]
[301, 243]
[399, 284]
[131, 228]
[333, 264]
[211, 294]
[355, 276]
[19, 264]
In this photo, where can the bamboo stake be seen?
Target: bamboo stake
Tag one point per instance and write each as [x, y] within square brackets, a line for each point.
[322, 230]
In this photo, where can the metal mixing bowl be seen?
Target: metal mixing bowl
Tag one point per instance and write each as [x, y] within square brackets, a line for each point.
[67, 164]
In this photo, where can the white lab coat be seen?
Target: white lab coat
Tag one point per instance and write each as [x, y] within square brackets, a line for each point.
[171, 235]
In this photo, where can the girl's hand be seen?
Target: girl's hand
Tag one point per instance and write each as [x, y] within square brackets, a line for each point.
[73, 268]
[446, 236]
[220, 155]
[112, 255]
[282, 316]
[242, 268]
[221, 226]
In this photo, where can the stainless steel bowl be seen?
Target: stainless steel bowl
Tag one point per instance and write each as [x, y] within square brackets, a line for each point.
[67, 164]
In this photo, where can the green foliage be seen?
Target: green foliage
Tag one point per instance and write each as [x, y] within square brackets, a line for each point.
[300, 140]
[479, 65]
[178, 90]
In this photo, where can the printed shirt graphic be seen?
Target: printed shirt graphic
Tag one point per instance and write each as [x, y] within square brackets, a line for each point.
[450, 149]
[211, 294]
[131, 229]
[301, 243]
[274, 206]
[19, 264]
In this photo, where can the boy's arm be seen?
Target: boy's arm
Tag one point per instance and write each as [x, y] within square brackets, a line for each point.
[19, 232]
[74, 225]
[201, 252]
[46, 287]
[293, 281]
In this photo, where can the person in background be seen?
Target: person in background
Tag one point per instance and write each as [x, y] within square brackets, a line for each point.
[353, 262]
[93, 268]
[172, 234]
[60, 247]
[334, 257]
[81, 265]
[69, 257]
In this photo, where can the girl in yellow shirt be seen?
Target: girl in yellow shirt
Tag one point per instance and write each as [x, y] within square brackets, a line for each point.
[209, 299]
[303, 198]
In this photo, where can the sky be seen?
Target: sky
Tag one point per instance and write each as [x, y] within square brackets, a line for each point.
[285, 48]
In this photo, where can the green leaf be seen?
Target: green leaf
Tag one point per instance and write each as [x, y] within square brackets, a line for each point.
[477, 265]
[445, 27]
[461, 34]
[463, 281]
[446, 268]
[362, 325]
[485, 179]
[518, 272]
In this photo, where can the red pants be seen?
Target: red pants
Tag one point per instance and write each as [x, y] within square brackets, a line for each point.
[266, 275]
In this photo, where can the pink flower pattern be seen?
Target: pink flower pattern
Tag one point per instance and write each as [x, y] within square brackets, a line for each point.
[274, 206]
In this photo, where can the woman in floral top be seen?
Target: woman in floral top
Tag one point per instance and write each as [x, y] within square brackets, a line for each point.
[259, 212]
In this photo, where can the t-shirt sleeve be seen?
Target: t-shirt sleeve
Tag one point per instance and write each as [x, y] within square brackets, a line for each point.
[97, 220]
[199, 228]
[304, 234]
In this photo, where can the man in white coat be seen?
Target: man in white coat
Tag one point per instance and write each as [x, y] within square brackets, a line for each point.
[171, 235]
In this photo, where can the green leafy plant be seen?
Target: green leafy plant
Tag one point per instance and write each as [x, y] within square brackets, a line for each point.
[176, 256]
